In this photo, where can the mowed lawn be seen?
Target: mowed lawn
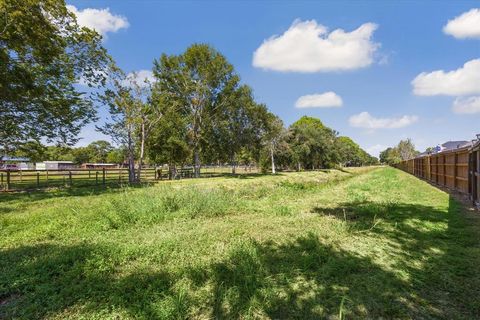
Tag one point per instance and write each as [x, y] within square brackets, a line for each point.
[359, 243]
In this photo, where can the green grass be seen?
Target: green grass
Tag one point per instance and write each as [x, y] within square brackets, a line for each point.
[360, 243]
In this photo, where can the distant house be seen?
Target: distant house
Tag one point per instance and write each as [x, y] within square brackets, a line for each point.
[54, 165]
[451, 145]
[99, 165]
[15, 163]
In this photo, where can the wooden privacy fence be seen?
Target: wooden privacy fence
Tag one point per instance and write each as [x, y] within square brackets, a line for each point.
[457, 170]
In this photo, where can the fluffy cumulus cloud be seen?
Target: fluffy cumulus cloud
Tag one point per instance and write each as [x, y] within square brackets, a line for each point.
[463, 81]
[319, 100]
[308, 47]
[468, 105]
[466, 25]
[367, 121]
[141, 78]
[100, 20]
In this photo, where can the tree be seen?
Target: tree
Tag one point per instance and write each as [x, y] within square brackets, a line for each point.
[403, 151]
[313, 144]
[33, 150]
[82, 155]
[99, 150]
[273, 136]
[350, 153]
[44, 52]
[406, 149]
[55, 153]
[168, 142]
[199, 82]
[116, 155]
[124, 105]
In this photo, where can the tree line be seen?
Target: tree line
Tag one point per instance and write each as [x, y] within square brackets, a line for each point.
[196, 111]
[404, 150]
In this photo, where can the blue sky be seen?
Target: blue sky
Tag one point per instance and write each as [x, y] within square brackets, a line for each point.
[370, 72]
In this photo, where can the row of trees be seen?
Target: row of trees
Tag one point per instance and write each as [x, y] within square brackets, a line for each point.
[98, 151]
[196, 111]
[404, 150]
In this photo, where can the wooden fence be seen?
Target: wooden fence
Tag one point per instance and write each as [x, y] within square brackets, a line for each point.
[458, 170]
[38, 179]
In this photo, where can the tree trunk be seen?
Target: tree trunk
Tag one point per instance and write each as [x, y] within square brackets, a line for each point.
[233, 165]
[196, 157]
[142, 152]
[273, 158]
[131, 159]
[172, 172]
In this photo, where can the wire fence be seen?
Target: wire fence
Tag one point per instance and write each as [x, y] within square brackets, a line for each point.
[457, 170]
[16, 180]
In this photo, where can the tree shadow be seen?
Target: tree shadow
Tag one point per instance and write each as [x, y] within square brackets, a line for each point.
[303, 279]
[438, 250]
[39, 195]
[432, 272]
[42, 280]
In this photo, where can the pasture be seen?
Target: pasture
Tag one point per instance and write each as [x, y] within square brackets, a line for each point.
[358, 243]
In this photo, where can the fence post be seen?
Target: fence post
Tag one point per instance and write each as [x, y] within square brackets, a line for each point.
[38, 179]
[1, 178]
[8, 180]
[103, 178]
[46, 171]
[455, 160]
[70, 178]
[96, 177]
[444, 170]
[427, 168]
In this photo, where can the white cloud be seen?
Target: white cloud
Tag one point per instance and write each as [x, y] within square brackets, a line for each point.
[100, 20]
[319, 100]
[468, 105]
[142, 78]
[466, 25]
[308, 47]
[463, 81]
[365, 120]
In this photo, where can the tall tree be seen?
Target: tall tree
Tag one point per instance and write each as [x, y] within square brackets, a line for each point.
[99, 150]
[133, 115]
[313, 143]
[200, 82]
[44, 53]
[273, 136]
[406, 149]
[123, 124]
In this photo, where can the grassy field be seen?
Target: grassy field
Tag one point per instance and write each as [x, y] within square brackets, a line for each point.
[359, 243]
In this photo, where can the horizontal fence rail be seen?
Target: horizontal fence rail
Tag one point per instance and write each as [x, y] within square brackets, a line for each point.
[458, 170]
[79, 177]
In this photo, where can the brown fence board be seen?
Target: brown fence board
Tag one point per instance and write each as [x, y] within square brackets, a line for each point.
[457, 170]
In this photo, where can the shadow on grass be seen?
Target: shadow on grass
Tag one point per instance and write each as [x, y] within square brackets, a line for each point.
[46, 279]
[38, 195]
[431, 272]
